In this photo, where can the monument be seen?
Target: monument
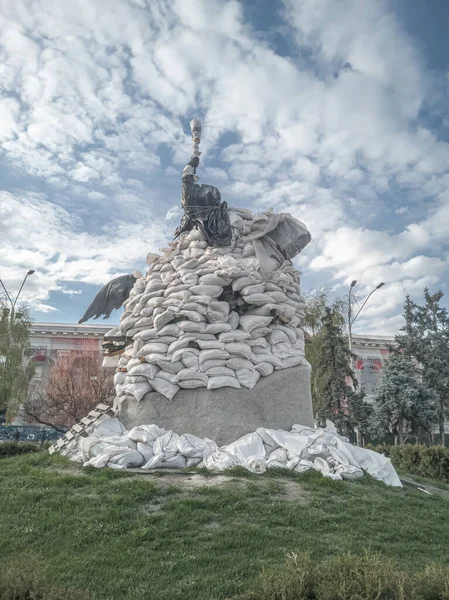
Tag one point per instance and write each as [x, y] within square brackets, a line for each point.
[210, 341]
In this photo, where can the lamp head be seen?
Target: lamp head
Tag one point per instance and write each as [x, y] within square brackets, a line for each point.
[380, 285]
[30, 272]
[353, 283]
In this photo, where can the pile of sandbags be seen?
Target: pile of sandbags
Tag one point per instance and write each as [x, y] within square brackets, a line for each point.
[148, 446]
[210, 317]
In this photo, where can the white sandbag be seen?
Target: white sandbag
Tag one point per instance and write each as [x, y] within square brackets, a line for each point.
[292, 361]
[110, 362]
[191, 327]
[138, 390]
[213, 354]
[144, 369]
[146, 434]
[200, 299]
[183, 342]
[169, 367]
[264, 311]
[170, 377]
[237, 363]
[247, 449]
[278, 296]
[166, 444]
[247, 377]
[128, 459]
[170, 329]
[256, 288]
[258, 299]
[216, 328]
[192, 384]
[220, 382]
[290, 333]
[233, 319]
[220, 460]
[154, 285]
[174, 462]
[151, 347]
[191, 446]
[106, 426]
[220, 306]
[215, 316]
[259, 332]
[208, 290]
[119, 377]
[193, 316]
[134, 379]
[164, 387]
[210, 344]
[177, 294]
[264, 368]
[242, 282]
[214, 280]
[189, 278]
[277, 459]
[194, 307]
[146, 334]
[190, 374]
[146, 450]
[250, 322]
[234, 336]
[239, 349]
[277, 336]
[163, 319]
[190, 360]
[259, 342]
[211, 364]
[178, 354]
[269, 358]
[220, 372]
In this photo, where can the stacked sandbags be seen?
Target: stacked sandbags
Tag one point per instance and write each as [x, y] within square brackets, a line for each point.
[205, 316]
[303, 448]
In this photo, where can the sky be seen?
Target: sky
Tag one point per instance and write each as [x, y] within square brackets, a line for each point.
[335, 111]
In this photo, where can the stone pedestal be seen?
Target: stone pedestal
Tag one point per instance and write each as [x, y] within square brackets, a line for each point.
[277, 402]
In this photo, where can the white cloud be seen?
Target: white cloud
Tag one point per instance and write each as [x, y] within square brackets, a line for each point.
[94, 94]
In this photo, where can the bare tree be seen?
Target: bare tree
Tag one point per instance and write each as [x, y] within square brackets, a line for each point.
[74, 386]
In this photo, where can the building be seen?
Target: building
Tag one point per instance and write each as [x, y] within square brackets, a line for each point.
[49, 341]
[52, 340]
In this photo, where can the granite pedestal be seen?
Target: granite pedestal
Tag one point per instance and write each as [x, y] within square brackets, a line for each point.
[277, 402]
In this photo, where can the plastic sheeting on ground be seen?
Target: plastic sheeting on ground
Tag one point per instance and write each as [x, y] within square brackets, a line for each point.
[302, 448]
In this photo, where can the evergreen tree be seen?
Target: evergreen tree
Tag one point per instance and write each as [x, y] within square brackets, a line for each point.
[16, 368]
[403, 404]
[425, 338]
[337, 395]
[315, 312]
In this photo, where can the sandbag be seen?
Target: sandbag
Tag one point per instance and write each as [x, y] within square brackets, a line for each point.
[239, 349]
[247, 377]
[224, 381]
[250, 322]
[146, 434]
[164, 387]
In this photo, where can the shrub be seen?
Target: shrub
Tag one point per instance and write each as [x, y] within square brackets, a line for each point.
[15, 448]
[22, 579]
[426, 461]
[368, 576]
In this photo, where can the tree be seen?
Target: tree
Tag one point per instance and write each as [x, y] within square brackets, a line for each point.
[75, 385]
[403, 404]
[315, 311]
[336, 381]
[16, 368]
[425, 338]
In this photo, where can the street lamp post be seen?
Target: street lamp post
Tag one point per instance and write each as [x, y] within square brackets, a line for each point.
[351, 322]
[12, 301]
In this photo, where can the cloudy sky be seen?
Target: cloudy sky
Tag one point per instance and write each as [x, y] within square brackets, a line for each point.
[333, 110]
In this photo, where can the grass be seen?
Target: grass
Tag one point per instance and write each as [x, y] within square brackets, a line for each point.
[116, 535]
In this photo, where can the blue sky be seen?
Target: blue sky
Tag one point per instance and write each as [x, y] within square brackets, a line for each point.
[333, 110]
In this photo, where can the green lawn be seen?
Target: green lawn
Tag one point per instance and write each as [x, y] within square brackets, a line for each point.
[119, 536]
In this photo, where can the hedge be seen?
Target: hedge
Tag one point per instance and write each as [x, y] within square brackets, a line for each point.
[15, 448]
[367, 576]
[426, 461]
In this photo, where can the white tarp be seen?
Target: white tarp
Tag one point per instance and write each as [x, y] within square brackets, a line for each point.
[300, 449]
